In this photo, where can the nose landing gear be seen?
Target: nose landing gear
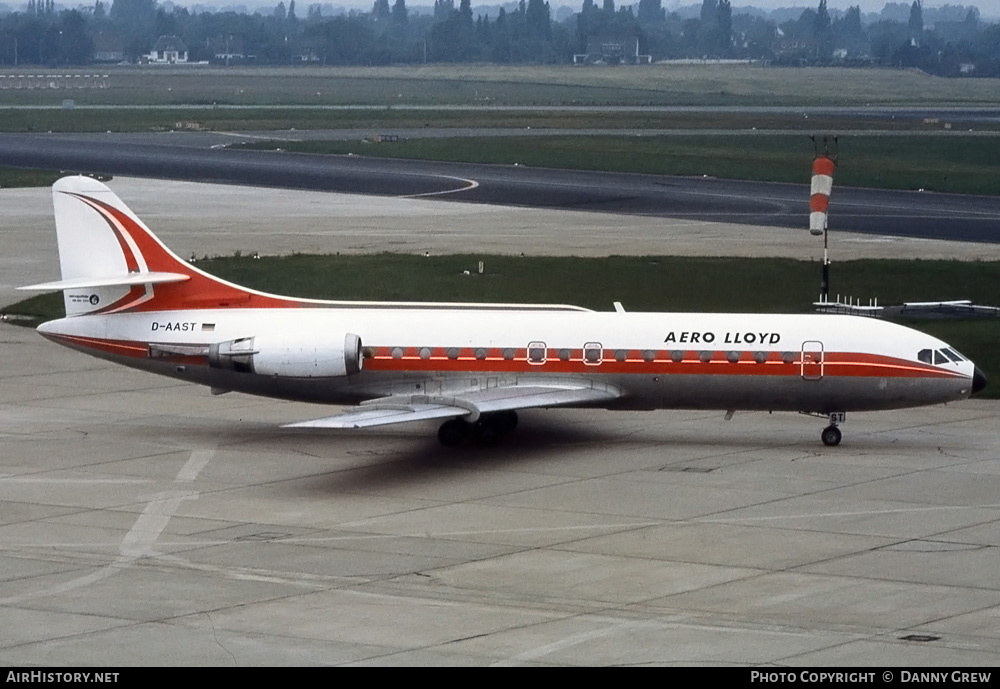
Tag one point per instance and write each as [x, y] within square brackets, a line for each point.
[831, 435]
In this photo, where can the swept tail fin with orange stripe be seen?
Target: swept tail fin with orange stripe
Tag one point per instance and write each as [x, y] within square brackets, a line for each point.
[111, 262]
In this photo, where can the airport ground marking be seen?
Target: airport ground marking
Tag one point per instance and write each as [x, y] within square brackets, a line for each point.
[140, 540]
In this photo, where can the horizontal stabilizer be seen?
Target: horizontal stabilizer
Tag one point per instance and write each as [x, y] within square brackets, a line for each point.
[403, 409]
[142, 278]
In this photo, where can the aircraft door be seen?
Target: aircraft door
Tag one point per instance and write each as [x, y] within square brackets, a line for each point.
[812, 360]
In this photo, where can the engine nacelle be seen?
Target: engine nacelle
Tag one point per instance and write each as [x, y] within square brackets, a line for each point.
[290, 355]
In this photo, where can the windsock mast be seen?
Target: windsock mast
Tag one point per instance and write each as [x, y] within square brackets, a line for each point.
[824, 164]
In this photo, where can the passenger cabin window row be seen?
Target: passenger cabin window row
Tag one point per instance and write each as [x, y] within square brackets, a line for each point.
[594, 354]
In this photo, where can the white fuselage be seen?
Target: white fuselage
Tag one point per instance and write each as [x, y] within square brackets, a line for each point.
[131, 300]
[809, 363]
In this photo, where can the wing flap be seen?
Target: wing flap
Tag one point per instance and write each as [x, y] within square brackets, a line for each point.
[403, 409]
[369, 415]
[534, 396]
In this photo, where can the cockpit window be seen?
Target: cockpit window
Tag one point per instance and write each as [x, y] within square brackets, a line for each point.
[952, 354]
[939, 358]
[925, 356]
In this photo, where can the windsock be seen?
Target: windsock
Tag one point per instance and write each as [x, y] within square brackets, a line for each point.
[822, 185]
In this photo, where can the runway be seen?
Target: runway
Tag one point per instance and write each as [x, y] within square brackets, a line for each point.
[181, 156]
[147, 522]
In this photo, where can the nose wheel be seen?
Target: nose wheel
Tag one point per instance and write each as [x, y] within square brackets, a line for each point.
[831, 435]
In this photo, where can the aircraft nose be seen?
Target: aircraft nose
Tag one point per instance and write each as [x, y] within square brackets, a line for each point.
[978, 380]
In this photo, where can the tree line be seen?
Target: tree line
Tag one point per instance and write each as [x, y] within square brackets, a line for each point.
[523, 33]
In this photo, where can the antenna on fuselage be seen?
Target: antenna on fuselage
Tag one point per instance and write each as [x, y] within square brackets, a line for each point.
[824, 164]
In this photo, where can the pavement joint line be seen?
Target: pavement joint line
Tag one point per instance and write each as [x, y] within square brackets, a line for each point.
[140, 540]
[851, 513]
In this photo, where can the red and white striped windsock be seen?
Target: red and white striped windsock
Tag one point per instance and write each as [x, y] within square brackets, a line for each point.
[822, 185]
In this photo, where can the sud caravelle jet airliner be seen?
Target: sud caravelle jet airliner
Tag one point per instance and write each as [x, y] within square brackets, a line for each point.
[132, 301]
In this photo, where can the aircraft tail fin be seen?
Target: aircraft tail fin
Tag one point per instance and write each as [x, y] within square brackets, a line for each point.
[111, 262]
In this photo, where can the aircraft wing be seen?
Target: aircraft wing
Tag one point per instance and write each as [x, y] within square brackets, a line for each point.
[402, 409]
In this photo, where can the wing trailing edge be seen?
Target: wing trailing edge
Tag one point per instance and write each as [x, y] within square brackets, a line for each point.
[404, 409]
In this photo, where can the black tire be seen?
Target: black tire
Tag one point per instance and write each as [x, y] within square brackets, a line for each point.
[505, 421]
[831, 436]
[453, 432]
[492, 427]
[487, 431]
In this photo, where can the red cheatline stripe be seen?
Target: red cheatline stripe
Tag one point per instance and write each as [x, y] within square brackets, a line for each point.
[836, 364]
[687, 367]
[136, 350]
[661, 362]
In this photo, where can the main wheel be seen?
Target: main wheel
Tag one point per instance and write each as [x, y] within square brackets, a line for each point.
[505, 421]
[491, 427]
[831, 436]
[487, 432]
[453, 432]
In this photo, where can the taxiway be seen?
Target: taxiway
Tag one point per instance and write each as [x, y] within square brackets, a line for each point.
[192, 157]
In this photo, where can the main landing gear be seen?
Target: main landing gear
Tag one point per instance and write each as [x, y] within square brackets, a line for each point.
[831, 435]
[487, 430]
